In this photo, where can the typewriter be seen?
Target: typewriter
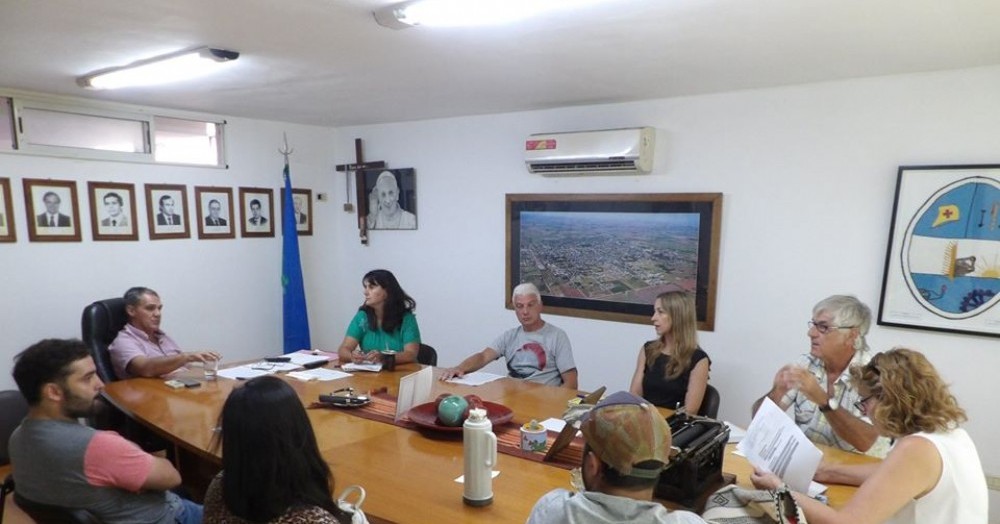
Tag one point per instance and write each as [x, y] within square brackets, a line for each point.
[695, 467]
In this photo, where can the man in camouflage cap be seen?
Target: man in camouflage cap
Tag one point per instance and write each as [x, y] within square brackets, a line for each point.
[627, 445]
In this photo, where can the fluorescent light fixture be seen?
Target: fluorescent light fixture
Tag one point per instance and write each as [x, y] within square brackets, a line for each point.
[451, 13]
[173, 67]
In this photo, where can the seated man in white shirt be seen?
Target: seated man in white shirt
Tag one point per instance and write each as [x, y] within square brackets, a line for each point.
[536, 350]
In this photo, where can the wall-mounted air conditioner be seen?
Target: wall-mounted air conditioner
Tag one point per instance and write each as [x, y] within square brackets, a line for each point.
[609, 151]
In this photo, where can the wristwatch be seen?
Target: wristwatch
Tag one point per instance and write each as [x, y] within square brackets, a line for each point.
[831, 405]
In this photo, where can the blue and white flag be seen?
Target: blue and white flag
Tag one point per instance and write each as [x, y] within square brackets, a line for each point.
[296, 326]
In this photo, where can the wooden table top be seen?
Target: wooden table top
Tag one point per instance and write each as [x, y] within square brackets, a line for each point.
[409, 476]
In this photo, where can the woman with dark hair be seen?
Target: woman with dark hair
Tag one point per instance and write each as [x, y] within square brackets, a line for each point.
[272, 470]
[384, 322]
[931, 475]
[672, 370]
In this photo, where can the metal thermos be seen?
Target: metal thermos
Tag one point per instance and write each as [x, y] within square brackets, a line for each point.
[480, 450]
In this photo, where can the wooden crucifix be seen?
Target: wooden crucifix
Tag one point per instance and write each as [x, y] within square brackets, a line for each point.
[358, 168]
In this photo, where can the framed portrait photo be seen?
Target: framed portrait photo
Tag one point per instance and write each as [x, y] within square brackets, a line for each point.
[112, 211]
[301, 210]
[608, 256]
[942, 266]
[257, 218]
[166, 211]
[7, 231]
[215, 212]
[53, 213]
[390, 198]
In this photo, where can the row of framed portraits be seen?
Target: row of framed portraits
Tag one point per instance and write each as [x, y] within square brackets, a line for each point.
[53, 211]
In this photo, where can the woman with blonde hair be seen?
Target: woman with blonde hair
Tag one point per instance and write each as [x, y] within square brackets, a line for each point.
[931, 475]
[672, 370]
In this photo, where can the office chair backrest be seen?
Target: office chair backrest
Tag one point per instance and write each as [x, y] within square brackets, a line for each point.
[710, 404]
[101, 323]
[427, 355]
[53, 514]
[13, 409]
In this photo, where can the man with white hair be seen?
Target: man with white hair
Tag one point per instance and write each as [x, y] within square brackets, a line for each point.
[535, 350]
[818, 388]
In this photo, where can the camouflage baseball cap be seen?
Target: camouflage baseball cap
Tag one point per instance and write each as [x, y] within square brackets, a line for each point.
[625, 430]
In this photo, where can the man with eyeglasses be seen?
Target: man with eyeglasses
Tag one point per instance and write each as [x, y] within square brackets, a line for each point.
[818, 389]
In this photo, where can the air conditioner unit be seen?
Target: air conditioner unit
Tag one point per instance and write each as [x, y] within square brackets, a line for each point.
[609, 151]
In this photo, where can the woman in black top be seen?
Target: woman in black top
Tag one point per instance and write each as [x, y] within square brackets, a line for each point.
[672, 370]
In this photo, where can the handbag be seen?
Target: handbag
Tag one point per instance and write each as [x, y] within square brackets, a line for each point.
[353, 508]
[735, 505]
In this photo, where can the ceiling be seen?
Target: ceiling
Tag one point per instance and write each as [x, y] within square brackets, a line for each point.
[327, 62]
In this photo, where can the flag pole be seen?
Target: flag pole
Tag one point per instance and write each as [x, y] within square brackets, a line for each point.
[294, 313]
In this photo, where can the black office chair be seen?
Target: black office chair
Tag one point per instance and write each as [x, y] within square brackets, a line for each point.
[100, 324]
[50, 514]
[427, 355]
[710, 404]
[13, 409]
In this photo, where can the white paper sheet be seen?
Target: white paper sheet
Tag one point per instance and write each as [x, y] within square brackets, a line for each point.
[736, 433]
[303, 359]
[774, 443]
[351, 366]
[476, 378]
[320, 374]
[243, 372]
[414, 389]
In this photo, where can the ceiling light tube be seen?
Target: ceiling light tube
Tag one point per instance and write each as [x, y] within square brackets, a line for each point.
[173, 67]
[453, 13]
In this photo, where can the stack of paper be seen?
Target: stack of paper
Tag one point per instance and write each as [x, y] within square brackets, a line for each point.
[321, 374]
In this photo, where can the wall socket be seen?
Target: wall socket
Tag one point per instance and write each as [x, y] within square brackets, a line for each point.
[993, 482]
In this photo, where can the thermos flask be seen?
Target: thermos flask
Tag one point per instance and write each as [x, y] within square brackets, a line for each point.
[480, 450]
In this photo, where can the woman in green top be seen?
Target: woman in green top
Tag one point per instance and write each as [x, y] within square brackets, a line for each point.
[385, 322]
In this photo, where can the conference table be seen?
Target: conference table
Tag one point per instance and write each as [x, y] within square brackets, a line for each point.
[409, 475]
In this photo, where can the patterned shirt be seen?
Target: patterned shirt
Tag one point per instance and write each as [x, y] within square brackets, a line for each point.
[813, 422]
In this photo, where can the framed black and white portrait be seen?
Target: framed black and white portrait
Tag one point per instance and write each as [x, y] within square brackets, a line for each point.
[215, 212]
[7, 231]
[112, 211]
[391, 198]
[301, 210]
[257, 219]
[53, 213]
[166, 211]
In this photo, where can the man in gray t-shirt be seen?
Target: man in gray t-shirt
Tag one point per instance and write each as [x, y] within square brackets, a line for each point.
[535, 350]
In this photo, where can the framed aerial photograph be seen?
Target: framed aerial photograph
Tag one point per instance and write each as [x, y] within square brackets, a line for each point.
[7, 231]
[608, 256]
[302, 204]
[257, 219]
[52, 211]
[215, 212]
[391, 198]
[166, 211]
[112, 211]
[942, 265]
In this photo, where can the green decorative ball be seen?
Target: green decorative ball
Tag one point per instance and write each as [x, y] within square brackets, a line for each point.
[451, 410]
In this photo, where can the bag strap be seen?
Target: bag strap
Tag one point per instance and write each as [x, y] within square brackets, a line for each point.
[344, 495]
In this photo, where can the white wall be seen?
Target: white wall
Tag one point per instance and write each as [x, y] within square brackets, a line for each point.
[808, 175]
[220, 294]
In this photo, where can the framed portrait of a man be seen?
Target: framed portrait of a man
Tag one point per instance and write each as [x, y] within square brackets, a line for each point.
[257, 219]
[112, 211]
[301, 210]
[391, 198]
[7, 231]
[215, 212]
[53, 213]
[166, 211]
